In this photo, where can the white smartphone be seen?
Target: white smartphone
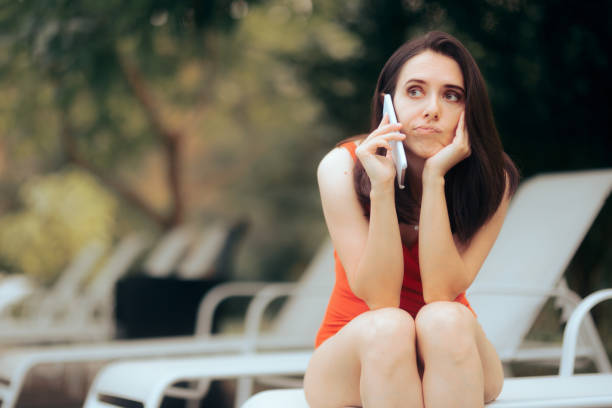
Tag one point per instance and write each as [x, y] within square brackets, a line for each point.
[397, 152]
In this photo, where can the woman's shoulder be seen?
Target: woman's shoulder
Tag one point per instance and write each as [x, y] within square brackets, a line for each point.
[340, 158]
[334, 164]
[335, 172]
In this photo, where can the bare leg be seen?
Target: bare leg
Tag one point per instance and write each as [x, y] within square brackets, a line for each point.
[462, 368]
[371, 362]
[389, 375]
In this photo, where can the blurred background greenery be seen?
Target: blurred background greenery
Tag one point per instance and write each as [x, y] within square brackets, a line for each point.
[119, 116]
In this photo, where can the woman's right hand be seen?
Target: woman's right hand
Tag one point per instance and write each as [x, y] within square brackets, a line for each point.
[380, 169]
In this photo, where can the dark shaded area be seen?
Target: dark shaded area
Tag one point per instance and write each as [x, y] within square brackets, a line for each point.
[224, 265]
[219, 395]
[155, 307]
[546, 64]
[120, 402]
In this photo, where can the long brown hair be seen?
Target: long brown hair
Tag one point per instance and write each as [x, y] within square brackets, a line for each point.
[475, 186]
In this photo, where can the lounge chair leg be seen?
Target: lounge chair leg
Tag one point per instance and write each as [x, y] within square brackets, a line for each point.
[244, 389]
[507, 367]
[192, 404]
[588, 333]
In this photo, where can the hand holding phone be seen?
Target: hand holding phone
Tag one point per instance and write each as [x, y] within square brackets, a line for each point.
[397, 151]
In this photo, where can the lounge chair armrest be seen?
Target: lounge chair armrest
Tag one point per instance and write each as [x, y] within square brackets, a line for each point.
[566, 298]
[515, 291]
[218, 294]
[257, 307]
[570, 334]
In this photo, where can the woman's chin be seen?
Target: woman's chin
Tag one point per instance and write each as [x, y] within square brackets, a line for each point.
[422, 152]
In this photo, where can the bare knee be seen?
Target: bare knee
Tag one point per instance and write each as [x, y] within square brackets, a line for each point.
[380, 339]
[384, 326]
[445, 327]
[388, 336]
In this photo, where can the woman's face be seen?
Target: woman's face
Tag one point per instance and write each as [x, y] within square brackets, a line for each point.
[429, 99]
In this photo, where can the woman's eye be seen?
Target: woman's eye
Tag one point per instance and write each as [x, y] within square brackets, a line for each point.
[415, 92]
[453, 97]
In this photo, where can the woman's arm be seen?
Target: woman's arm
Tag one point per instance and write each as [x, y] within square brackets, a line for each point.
[371, 252]
[446, 268]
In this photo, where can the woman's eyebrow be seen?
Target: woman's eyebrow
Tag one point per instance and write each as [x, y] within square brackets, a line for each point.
[420, 81]
[455, 87]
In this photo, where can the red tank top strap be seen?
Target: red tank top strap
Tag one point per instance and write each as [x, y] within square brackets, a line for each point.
[350, 146]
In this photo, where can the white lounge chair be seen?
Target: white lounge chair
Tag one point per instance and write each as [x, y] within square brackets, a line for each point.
[14, 289]
[566, 390]
[168, 252]
[299, 314]
[543, 202]
[206, 247]
[44, 303]
[66, 313]
[546, 223]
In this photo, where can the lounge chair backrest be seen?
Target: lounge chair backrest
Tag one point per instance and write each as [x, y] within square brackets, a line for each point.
[303, 313]
[13, 289]
[99, 292]
[199, 262]
[68, 285]
[546, 222]
[168, 251]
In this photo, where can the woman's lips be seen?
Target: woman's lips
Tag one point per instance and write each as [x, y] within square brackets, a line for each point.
[426, 129]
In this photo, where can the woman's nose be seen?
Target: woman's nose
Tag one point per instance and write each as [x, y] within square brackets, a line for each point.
[432, 110]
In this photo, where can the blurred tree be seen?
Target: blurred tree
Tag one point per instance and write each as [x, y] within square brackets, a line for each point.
[216, 103]
[91, 65]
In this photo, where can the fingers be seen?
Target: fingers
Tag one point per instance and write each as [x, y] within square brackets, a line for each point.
[460, 125]
[462, 137]
[384, 127]
[385, 120]
[373, 146]
[381, 130]
[369, 143]
[380, 138]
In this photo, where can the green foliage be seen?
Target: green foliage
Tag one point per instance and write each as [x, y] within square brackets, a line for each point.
[265, 136]
[76, 47]
[61, 212]
[252, 134]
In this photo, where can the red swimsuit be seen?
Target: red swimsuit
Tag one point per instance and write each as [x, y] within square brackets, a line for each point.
[344, 306]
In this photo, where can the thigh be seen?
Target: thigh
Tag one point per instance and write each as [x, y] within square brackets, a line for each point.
[333, 374]
[493, 372]
[377, 338]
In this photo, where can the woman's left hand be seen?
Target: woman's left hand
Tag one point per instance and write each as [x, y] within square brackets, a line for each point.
[440, 163]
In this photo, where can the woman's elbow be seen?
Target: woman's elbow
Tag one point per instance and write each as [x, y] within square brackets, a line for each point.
[376, 300]
[445, 290]
[382, 303]
[439, 294]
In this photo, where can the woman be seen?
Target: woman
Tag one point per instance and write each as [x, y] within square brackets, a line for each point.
[398, 331]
